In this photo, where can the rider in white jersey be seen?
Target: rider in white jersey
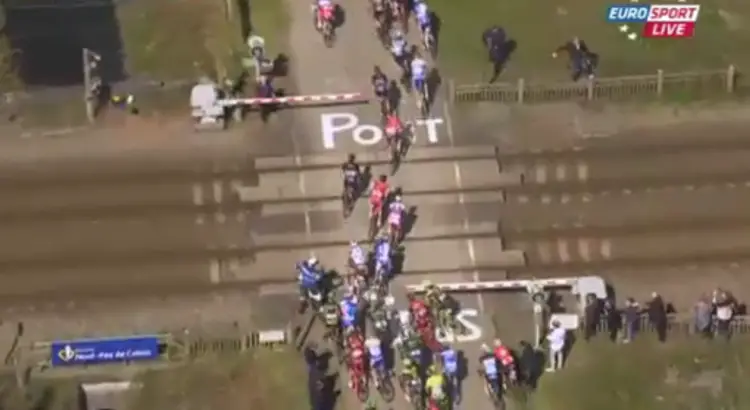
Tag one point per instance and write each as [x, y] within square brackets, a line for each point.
[357, 255]
[396, 212]
[375, 352]
[399, 47]
[418, 73]
[422, 14]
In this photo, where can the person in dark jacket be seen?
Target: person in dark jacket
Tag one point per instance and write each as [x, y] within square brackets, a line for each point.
[631, 316]
[582, 60]
[657, 315]
[592, 316]
[614, 319]
[496, 42]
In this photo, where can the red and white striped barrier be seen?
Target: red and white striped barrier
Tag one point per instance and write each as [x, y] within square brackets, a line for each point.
[297, 99]
[579, 285]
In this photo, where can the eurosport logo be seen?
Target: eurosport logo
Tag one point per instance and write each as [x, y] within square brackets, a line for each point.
[660, 20]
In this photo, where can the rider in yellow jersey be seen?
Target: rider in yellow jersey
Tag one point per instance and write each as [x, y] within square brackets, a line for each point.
[435, 387]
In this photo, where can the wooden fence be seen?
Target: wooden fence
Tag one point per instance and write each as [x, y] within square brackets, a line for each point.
[682, 86]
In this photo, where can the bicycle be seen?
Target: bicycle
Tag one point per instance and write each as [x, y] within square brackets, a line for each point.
[423, 99]
[374, 225]
[428, 40]
[383, 383]
[348, 199]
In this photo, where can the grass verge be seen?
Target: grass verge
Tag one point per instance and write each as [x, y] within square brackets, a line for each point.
[681, 374]
[261, 379]
[538, 27]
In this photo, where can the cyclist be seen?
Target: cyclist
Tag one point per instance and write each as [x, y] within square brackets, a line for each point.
[331, 317]
[377, 362]
[435, 387]
[505, 357]
[488, 368]
[394, 129]
[349, 312]
[378, 196]
[418, 73]
[422, 14]
[309, 277]
[379, 83]
[383, 265]
[399, 49]
[409, 376]
[351, 172]
[356, 364]
[357, 258]
[450, 367]
[408, 340]
[396, 211]
[323, 11]
[433, 295]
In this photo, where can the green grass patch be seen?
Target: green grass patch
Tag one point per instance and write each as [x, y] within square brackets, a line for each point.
[538, 26]
[682, 374]
[261, 379]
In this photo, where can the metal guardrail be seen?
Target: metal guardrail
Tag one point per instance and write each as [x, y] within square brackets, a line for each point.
[682, 85]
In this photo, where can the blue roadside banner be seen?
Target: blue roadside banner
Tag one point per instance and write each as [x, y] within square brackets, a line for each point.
[100, 351]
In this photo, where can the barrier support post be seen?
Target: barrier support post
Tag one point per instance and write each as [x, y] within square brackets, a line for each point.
[590, 89]
[731, 76]
[659, 82]
[521, 90]
[451, 91]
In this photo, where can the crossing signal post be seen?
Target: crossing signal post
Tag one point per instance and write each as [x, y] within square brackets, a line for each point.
[92, 82]
[538, 300]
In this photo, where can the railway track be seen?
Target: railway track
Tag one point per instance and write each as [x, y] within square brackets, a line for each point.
[612, 175]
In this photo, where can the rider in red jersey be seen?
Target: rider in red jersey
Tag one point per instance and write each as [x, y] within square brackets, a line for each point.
[356, 365]
[394, 128]
[379, 194]
[420, 312]
[505, 357]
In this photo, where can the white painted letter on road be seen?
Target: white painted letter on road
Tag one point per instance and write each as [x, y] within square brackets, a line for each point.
[472, 331]
[366, 134]
[329, 128]
[467, 319]
[431, 127]
[375, 135]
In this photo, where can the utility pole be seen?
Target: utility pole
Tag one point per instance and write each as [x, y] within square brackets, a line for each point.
[91, 82]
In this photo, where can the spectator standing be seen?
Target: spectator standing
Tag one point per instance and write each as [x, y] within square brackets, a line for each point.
[556, 338]
[631, 316]
[702, 319]
[724, 303]
[614, 319]
[657, 315]
[592, 316]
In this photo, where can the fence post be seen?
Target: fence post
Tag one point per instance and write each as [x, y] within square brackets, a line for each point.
[451, 91]
[521, 90]
[731, 75]
[659, 82]
[590, 89]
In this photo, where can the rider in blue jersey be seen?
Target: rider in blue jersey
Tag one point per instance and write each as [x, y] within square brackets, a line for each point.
[349, 311]
[422, 14]
[419, 73]
[383, 264]
[377, 362]
[489, 368]
[450, 367]
[309, 276]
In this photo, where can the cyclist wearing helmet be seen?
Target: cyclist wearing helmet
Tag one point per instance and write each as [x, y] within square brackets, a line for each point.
[379, 83]
[309, 276]
[399, 49]
[351, 173]
[378, 196]
[488, 368]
